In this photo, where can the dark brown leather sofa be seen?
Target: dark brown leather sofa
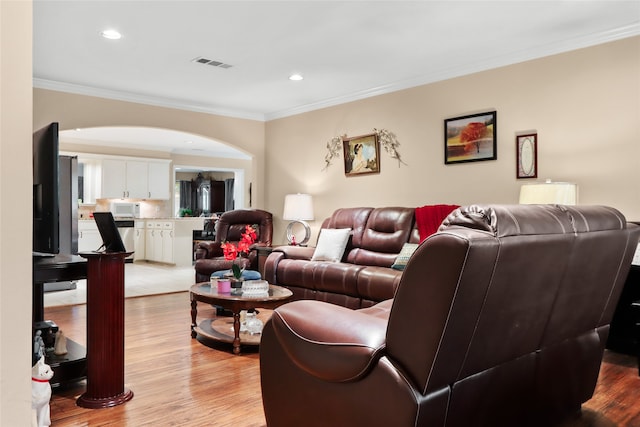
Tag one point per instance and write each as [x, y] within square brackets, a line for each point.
[364, 277]
[209, 255]
[500, 319]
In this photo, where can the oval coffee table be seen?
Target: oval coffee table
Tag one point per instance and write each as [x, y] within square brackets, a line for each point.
[215, 329]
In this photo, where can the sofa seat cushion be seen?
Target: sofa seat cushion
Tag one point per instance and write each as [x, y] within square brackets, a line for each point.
[334, 277]
[378, 283]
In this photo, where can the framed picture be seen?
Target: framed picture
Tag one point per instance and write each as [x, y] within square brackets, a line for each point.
[361, 155]
[470, 138]
[527, 156]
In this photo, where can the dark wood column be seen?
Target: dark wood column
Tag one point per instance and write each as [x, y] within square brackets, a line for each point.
[105, 331]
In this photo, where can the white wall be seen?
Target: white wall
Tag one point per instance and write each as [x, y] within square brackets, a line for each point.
[15, 200]
[584, 105]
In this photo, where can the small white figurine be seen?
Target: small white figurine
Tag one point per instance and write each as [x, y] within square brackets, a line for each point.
[41, 373]
[60, 347]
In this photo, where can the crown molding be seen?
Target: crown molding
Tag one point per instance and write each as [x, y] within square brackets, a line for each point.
[141, 99]
[439, 75]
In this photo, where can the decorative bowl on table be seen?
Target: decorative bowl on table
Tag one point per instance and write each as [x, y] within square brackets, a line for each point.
[255, 287]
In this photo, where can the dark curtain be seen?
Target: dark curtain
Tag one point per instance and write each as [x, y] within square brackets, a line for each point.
[228, 192]
[185, 195]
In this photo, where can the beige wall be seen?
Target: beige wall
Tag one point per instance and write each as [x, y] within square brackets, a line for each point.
[584, 105]
[80, 111]
[15, 207]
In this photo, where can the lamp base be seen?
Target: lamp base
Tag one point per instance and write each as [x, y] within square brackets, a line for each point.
[291, 237]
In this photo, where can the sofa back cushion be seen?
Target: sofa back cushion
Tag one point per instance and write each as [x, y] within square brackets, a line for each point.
[353, 218]
[386, 231]
[233, 223]
[502, 287]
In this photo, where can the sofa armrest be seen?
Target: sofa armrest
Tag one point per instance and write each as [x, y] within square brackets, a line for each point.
[329, 342]
[284, 252]
[208, 249]
[296, 252]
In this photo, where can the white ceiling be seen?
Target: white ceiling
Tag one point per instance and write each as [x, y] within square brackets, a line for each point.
[345, 50]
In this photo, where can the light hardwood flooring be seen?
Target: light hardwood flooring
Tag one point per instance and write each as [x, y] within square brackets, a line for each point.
[177, 381]
[140, 278]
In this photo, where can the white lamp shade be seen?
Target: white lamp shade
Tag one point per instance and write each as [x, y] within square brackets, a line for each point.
[298, 207]
[562, 193]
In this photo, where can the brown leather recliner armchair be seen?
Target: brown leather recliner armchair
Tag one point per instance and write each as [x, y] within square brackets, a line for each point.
[500, 319]
[209, 255]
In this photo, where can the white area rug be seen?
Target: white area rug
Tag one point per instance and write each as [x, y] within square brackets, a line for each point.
[140, 278]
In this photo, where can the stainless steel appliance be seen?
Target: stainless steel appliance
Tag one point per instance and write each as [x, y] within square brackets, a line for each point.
[126, 228]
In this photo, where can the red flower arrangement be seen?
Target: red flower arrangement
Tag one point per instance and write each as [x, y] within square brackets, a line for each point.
[232, 251]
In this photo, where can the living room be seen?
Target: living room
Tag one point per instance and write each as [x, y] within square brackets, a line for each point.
[583, 105]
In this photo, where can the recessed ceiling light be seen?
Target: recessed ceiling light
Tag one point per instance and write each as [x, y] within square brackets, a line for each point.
[296, 77]
[111, 34]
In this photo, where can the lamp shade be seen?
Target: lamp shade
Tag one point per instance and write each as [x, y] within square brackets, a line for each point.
[562, 193]
[298, 207]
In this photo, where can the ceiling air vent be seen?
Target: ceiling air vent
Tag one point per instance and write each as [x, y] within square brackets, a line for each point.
[213, 63]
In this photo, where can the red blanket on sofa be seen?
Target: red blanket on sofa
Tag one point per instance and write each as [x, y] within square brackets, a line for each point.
[429, 218]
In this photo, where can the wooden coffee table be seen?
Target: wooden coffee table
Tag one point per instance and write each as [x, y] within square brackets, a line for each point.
[219, 329]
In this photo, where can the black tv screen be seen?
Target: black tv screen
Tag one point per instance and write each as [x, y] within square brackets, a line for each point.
[46, 238]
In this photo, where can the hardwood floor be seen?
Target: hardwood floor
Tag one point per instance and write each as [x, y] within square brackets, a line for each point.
[177, 381]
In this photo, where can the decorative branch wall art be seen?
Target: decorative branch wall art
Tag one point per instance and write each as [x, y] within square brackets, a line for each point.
[384, 137]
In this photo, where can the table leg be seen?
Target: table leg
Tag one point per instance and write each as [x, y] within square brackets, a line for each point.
[236, 332]
[194, 313]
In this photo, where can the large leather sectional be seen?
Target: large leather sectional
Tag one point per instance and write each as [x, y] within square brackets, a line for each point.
[364, 277]
[500, 320]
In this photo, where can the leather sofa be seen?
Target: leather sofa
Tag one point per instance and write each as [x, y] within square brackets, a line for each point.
[364, 276]
[209, 256]
[499, 319]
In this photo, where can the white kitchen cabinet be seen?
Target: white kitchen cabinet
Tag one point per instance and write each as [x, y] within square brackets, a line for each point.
[88, 236]
[114, 179]
[166, 234]
[159, 181]
[159, 241]
[135, 179]
[152, 241]
[139, 241]
[170, 241]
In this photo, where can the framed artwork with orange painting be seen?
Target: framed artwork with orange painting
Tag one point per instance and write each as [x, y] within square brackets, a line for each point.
[470, 138]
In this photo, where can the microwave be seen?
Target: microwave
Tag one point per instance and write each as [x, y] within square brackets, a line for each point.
[125, 209]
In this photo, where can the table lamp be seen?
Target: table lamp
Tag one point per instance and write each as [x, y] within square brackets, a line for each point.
[298, 208]
[548, 192]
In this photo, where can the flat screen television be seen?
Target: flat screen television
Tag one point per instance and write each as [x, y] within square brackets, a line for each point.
[46, 232]
[111, 240]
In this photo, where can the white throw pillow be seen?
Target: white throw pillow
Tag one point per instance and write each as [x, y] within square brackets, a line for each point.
[331, 244]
